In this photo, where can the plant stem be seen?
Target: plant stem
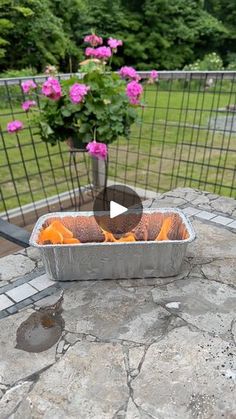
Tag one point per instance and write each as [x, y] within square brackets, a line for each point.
[94, 134]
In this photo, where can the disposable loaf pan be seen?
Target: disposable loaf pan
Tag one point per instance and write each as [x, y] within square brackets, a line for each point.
[96, 261]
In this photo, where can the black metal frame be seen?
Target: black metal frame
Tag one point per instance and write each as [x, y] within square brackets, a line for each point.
[15, 234]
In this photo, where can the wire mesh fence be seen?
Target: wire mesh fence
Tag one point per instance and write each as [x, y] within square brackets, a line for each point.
[185, 136]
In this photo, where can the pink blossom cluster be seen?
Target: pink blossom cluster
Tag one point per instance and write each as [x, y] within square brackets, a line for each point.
[114, 43]
[14, 126]
[154, 75]
[28, 85]
[134, 91]
[98, 150]
[101, 53]
[78, 92]
[52, 88]
[129, 73]
[28, 104]
[93, 40]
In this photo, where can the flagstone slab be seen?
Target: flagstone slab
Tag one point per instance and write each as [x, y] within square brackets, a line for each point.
[212, 241]
[187, 375]
[108, 311]
[222, 270]
[13, 266]
[208, 305]
[16, 364]
[90, 381]
[12, 398]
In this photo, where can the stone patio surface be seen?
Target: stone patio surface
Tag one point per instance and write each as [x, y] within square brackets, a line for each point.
[160, 348]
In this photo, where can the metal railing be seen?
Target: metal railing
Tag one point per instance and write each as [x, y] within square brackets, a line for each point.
[185, 137]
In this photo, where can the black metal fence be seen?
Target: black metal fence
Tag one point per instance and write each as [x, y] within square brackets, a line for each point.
[185, 136]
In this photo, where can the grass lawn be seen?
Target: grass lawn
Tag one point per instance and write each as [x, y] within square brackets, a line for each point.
[164, 151]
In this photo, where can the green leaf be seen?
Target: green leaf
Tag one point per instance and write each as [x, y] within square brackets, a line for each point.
[66, 112]
[85, 128]
[46, 130]
[25, 11]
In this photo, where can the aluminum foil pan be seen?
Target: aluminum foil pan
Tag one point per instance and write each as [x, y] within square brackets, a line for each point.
[95, 261]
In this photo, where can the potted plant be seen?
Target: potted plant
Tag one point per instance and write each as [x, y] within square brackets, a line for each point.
[91, 109]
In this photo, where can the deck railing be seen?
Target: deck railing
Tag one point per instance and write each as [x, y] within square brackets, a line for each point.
[185, 136]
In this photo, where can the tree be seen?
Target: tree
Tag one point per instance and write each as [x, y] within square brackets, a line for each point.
[37, 37]
[157, 33]
[225, 11]
[164, 34]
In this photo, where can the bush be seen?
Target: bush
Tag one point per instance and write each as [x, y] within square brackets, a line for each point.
[231, 59]
[210, 62]
[25, 72]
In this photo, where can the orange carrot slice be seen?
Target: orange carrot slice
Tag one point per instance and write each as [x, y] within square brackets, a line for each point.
[71, 240]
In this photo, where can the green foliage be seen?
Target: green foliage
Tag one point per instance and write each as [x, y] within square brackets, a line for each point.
[24, 72]
[210, 62]
[157, 33]
[37, 37]
[232, 62]
[225, 11]
[162, 34]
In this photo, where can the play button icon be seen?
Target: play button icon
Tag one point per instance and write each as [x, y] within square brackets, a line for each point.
[118, 209]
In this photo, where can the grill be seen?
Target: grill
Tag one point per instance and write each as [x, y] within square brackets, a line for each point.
[155, 248]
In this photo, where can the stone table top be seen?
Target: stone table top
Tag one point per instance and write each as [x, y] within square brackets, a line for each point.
[160, 348]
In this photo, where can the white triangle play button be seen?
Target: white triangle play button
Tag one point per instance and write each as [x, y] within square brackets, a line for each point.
[116, 209]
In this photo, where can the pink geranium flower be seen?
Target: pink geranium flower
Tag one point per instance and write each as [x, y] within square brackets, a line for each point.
[93, 39]
[52, 89]
[28, 85]
[134, 91]
[78, 92]
[154, 75]
[98, 150]
[28, 104]
[14, 126]
[102, 53]
[114, 43]
[129, 73]
[90, 52]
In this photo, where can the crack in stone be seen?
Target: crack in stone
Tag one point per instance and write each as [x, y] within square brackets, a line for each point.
[32, 377]
[231, 331]
[21, 401]
[195, 261]
[4, 389]
[191, 326]
[128, 380]
[27, 257]
[84, 336]
[216, 280]
[121, 412]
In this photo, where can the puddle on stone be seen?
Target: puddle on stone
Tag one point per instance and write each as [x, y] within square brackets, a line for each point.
[41, 330]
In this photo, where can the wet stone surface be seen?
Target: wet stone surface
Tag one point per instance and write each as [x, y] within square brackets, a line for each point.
[39, 332]
[155, 348]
